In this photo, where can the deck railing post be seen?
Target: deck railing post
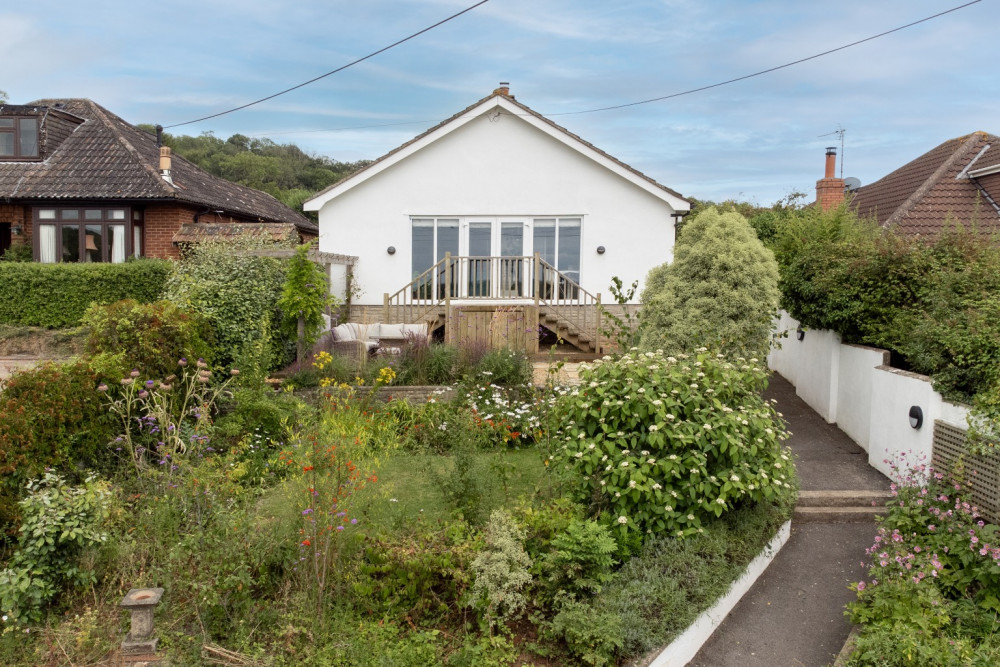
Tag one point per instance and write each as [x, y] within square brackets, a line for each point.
[385, 308]
[597, 326]
[538, 269]
[447, 297]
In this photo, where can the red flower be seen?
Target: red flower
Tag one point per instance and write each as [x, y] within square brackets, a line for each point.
[306, 543]
[307, 468]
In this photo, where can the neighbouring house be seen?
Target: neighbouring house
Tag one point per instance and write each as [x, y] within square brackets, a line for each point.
[79, 184]
[494, 222]
[957, 181]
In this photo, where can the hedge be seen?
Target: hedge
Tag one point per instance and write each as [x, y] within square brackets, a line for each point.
[57, 295]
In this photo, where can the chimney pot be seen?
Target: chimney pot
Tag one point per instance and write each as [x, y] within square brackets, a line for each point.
[831, 162]
[165, 164]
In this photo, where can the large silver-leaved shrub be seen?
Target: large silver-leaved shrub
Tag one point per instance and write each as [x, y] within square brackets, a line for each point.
[720, 291]
[501, 570]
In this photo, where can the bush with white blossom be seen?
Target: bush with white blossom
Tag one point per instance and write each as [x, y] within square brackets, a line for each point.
[657, 443]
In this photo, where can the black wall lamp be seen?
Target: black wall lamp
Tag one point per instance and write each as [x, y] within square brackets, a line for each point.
[916, 416]
[800, 333]
[391, 250]
[600, 250]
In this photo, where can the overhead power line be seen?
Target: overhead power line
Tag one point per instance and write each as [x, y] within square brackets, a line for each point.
[770, 69]
[339, 69]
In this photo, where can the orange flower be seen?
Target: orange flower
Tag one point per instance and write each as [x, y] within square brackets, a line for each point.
[307, 468]
[306, 543]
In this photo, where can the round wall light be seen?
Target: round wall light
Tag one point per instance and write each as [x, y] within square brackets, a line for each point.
[916, 416]
[800, 333]
[391, 250]
[600, 250]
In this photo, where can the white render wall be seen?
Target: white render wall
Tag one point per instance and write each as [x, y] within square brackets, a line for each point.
[497, 167]
[852, 386]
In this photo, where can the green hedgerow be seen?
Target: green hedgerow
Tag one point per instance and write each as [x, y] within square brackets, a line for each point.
[656, 443]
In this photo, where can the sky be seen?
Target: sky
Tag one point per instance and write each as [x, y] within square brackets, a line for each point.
[756, 140]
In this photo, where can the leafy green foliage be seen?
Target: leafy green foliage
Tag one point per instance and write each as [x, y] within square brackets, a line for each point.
[304, 296]
[281, 170]
[235, 291]
[50, 417]
[59, 522]
[934, 580]
[720, 290]
[659, 444]
[150, 337]
[501, 570]
[592, 636]
[504, 367]
[581, 560]
[18, 252]
[622, 329]
[57, 295]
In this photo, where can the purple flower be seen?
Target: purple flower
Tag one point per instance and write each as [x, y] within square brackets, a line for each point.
[183, 362]
[340, 527]
[149, 384]
[134, 373]
[306, 511]
[354, 522]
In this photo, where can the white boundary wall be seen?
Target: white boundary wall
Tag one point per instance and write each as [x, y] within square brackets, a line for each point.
[854, 387]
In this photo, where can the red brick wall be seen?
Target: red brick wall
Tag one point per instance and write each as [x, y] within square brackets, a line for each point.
[17, 214]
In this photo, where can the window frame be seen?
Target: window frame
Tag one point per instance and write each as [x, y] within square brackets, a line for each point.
[15, 131]
[81, 217]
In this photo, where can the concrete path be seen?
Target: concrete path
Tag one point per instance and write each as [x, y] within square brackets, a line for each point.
[794, 614]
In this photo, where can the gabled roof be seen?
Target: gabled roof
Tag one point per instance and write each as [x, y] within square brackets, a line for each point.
[92, 154]
[959, 179]
[507, 103]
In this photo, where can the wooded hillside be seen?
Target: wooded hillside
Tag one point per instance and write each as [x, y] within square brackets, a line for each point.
[282, 170]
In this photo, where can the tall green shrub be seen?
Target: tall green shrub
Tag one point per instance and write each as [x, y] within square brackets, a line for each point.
[721, 290]
[57, 295]
[304, 295]
[234, 290]
[50, 417]
[150, 337]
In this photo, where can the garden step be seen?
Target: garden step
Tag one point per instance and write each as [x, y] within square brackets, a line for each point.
[837, 514]
[843, 498]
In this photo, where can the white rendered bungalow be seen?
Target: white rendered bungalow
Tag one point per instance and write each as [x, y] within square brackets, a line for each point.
[492, 223]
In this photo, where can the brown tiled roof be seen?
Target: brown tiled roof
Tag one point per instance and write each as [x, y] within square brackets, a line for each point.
[528, 111]
[105, 158]
[922, 195]
[203, 231]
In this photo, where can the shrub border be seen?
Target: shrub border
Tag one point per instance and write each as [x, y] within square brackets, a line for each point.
[683, 649]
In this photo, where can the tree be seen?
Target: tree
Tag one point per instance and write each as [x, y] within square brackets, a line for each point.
[304, 297]
[721, 290]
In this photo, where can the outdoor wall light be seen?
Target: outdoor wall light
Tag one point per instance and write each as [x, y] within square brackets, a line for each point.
[391, 250]
[600, 250]
[916, 416]
[800, 333]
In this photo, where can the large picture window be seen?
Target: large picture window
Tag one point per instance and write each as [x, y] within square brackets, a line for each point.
[86, 234]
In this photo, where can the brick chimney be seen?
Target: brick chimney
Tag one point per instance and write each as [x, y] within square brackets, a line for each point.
[165, 164]
[830, 190]
[504, 89]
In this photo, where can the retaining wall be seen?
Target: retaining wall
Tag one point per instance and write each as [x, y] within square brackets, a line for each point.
[853, 387]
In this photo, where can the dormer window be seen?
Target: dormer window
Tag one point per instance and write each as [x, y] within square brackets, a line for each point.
[18, 138]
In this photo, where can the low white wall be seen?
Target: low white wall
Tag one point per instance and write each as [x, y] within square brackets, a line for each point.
[853, 386]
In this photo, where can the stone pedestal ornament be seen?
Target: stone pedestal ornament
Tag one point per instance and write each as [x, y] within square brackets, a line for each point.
[141, 602]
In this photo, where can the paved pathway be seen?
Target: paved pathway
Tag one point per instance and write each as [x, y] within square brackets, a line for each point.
[794, 614]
